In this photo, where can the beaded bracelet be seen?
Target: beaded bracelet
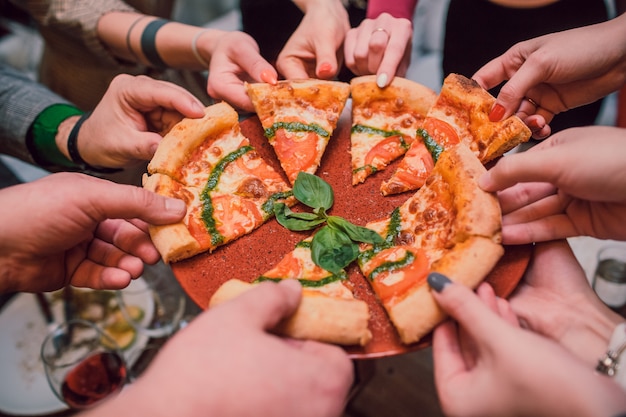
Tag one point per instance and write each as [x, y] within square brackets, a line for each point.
[148, 43]
[72, 149]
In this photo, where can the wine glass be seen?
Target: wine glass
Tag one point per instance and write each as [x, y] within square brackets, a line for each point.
[160, 288]
[83, 364]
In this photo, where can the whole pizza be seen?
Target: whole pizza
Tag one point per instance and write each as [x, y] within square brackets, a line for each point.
[442, 222]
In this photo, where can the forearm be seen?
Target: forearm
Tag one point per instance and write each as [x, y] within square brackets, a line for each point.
[305, 5]
[396, 8]
[122, 34]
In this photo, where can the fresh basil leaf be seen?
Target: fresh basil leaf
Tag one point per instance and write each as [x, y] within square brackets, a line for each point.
[313, 191]
[356, 233]
[289, 220]
[332, 249]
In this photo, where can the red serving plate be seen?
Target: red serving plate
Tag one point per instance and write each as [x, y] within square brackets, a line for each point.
[253, 254]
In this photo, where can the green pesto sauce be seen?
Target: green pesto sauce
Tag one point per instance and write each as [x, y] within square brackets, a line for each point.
[306, 244]
[433, 147]
[364, 167]
[392, 266]
[270, 132]
[393, 231]
[268, 206]
[384, 133]
[308, 283]
[205, 197]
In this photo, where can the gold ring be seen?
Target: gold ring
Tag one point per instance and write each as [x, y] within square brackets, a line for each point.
[381, 30]
[531, 101]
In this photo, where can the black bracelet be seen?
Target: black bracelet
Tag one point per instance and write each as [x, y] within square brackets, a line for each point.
[72, 149]
[148, 43]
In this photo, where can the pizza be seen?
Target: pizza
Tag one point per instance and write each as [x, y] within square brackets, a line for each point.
[328, 312]
[384, 121]
[228, 188]
[298, 118]
[451, 226]
[460, 114]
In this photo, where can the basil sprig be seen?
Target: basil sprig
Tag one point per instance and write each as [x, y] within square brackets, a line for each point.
[335, 245]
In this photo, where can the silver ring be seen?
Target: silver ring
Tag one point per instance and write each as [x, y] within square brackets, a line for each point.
[381, 30]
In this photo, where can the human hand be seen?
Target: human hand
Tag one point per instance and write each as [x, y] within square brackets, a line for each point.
[314, 49]
[227, 363]
[121, 130]
[70, 228]
[235, 59]
[571, 184]
[552, 71]
[380, 46]
[555, 300]
[486, 365]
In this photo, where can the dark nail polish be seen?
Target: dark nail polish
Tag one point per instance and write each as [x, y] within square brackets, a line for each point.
[438, 281]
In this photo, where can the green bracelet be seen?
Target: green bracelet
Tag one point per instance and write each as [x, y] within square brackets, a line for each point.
[41, 136]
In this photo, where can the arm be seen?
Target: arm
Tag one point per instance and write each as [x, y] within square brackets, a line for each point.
[554, 74]
[572, 184]
[71, 228]
[226, 357]
[120, 131]
[525, 374]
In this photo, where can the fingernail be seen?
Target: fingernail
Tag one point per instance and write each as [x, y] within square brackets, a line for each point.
[325, 69]
[534, 124]
[381, 80]
[484, 181]
[197, 107]
[175, 205]
[438, 281]
[496, 113]
[269, 77]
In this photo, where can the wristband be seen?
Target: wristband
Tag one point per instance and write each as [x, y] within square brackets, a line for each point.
[613, 363]
[41, 136]
[194, 48]
[72, 149]
[148, 43]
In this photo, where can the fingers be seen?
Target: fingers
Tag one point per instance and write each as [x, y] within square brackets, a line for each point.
[460, 302]
[105, 198]
[267, 304]
[542, 230]
[129, 238]
[145, 94]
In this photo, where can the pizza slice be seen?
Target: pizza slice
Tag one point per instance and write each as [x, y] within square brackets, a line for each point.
[384, 121]
[328, 312]
[450, 225]
[298, 118]
[460, 114]
[228, 188]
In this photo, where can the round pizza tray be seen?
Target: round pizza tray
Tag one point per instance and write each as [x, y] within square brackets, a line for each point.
[253, 254]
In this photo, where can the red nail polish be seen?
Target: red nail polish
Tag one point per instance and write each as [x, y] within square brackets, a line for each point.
[325, 69]
[496, 113]
[268, 77]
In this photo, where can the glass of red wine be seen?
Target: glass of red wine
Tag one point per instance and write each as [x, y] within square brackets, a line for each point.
[83, 364]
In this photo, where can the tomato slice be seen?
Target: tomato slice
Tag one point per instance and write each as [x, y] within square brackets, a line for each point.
[295, 152]
[407, 276]
[288, 267]
[441, 132]
[385, 151]
[235, 216]
[416, 166]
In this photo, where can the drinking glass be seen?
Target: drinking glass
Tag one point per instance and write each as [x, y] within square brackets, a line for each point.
[609, 280]
[160, 287]
[83, 364]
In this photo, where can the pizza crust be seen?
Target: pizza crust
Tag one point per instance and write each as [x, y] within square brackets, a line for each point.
[173, 241]
[468, 263]
[318, 317]
[188, 134]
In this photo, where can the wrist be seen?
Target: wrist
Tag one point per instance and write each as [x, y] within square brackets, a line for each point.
[306, 5]
[203, 45]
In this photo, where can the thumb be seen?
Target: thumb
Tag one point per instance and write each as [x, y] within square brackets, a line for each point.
[268, 303]
[326, 60]
[138, 204]
[463, 305]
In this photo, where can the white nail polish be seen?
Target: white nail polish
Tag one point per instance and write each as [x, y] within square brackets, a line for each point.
[381, 81]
